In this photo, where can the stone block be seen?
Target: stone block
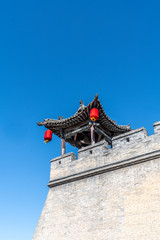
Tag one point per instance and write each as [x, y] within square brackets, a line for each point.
[130, 137]
[60, 164]
[96, 149]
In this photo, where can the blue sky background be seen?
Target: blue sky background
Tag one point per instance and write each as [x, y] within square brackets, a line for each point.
[52, 54]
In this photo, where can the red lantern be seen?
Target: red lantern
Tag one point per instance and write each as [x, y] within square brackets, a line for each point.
[94, 114]
[48, 136]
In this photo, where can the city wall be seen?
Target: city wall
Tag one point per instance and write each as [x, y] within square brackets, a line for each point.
[105, 193]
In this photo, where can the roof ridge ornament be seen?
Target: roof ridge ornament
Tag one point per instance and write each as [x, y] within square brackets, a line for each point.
[60, 117]
[96, 96]
[81, 107]
[81, 103]
[94, 103]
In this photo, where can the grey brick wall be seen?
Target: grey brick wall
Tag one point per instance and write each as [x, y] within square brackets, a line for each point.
[109, 194]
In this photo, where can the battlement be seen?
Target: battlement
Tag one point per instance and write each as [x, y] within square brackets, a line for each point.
[127, 149]
[156, 126]
[111, 190]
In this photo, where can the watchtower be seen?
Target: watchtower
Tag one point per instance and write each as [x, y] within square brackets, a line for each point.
[80, 131]
[108, 192]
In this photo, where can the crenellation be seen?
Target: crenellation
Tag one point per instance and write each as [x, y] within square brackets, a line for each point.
[156, 127]
[65, 158]
[96, 149]
[59, 165]
[99, 154]
[128, 138]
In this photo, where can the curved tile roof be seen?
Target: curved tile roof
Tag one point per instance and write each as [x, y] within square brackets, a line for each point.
[82, 115]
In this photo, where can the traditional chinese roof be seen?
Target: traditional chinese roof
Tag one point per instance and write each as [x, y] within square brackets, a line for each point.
[76, 129]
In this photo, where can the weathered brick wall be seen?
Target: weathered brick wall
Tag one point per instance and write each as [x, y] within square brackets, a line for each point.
[112, 195]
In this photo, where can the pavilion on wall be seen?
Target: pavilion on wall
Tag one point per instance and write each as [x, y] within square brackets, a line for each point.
[80, 131]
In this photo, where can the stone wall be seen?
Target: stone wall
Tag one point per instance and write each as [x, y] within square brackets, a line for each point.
[105, 194]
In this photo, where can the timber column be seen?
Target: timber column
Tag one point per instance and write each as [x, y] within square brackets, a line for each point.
[63, 147]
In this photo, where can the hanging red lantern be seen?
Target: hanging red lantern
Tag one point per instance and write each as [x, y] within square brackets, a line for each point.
[94, 114]
[48, 136]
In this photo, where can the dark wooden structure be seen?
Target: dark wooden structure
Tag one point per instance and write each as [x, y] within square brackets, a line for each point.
[80, 131]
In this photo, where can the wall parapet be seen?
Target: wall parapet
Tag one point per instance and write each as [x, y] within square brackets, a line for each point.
[136, 135]
[127, 149]
[105, 168]
[69, 156]
[96, 149]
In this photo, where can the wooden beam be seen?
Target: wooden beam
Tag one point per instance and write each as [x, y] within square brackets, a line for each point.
[104, 129]
[100, 131]
[79, 130]
[75, 136]
[76, 126]
[99, 137]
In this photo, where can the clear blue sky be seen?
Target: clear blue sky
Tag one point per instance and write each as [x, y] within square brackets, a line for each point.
[52, 54]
